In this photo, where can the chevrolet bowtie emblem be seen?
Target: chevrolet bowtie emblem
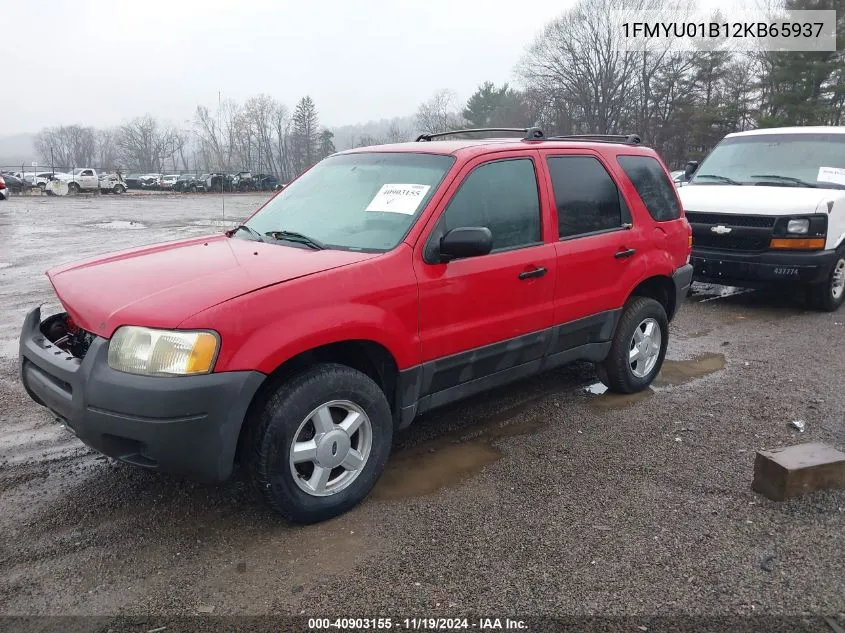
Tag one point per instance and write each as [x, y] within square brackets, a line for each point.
[721, 229]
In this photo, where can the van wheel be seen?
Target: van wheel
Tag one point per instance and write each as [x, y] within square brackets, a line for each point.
[638, 347]
[320, 443]
[829, 295]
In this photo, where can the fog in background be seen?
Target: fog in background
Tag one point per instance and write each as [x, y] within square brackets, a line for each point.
[98, 63]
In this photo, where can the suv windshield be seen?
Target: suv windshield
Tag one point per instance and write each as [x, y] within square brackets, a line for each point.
[364, 201]
[784, 160]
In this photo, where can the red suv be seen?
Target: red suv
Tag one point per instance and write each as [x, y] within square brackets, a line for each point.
[382, 283]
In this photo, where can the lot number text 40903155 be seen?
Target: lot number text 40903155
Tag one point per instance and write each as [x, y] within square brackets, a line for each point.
[418, 624]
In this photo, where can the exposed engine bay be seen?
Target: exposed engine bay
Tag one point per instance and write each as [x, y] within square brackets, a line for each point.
[62, 332]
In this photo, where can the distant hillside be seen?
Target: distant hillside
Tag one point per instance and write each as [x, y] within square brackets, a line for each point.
[393, 130]
[17, 149]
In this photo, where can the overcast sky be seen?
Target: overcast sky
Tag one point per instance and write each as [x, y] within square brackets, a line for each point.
[100, 63]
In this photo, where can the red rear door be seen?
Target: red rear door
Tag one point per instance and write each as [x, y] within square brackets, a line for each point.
[600, 246]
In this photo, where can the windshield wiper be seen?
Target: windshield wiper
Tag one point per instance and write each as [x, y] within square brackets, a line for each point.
[299, 238]
[797, 181]
[730, 181]
[244, 227]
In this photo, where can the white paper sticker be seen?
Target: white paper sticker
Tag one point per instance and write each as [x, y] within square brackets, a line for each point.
[398, 198]
[831, 174]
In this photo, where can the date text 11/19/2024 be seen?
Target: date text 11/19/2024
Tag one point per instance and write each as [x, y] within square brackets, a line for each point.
[418, 624]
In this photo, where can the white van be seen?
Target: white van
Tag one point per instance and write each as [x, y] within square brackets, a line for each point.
[768, 206]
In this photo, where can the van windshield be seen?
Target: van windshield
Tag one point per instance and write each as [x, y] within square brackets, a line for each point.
[363, 201]
[783, 160]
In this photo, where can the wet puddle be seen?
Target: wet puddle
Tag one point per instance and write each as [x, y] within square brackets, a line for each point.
[120, 225]
[672, 374]
[415, 473]
[679, 372]
[620, 400]
[698, 334]
[447, 461]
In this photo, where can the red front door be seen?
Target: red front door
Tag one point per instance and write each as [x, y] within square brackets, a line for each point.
[490, 313]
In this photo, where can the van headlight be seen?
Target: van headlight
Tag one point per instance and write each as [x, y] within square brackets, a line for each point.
[140, 350]
[799, 227]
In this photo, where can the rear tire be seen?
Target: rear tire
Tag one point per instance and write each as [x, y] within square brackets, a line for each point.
[119, 189]
[829, 295]
[638, 348]
[73, 188]
[308, 410]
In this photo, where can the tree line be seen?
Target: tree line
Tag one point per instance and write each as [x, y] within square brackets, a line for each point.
[260, 135]
[574, 78]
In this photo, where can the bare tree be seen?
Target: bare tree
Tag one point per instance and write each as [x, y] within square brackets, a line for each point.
[440, 113]
[144, 144]
[69, 145]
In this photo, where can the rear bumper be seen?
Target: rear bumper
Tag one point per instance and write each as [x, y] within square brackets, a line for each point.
[187, 425]
[739, 269]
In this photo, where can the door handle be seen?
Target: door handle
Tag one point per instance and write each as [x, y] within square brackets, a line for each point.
[624, 253]
[529, 274]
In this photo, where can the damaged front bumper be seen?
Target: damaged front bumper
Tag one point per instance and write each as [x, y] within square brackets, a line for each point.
[186, 424]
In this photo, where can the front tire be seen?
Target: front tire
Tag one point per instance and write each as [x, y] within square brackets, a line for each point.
[73, 188]
[829, 295]
[320, 443]
[638, 348]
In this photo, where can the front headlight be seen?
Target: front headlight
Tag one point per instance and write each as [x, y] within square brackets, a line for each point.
[798, 226]
[140, 350]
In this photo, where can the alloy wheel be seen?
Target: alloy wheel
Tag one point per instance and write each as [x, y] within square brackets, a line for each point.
[330, 448]
[645, 347]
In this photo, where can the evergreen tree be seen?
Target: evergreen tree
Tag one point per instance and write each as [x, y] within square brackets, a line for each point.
[304, 136]
[490, 106]
[326, 144]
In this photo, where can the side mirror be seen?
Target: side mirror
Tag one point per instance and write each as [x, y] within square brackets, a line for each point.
[690, 168]
[469, 241]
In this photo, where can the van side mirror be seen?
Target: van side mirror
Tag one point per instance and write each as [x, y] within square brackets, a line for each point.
[468, 241]
[690, 168]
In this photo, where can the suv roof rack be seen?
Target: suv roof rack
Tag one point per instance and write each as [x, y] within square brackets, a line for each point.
[627, 139]
[529, 133]
[536, 134]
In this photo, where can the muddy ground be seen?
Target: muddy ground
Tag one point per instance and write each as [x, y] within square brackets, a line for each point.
[543, 498]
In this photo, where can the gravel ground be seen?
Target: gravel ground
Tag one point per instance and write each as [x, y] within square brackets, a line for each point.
[541, 499]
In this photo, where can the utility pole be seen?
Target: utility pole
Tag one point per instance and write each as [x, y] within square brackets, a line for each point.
[223, 176]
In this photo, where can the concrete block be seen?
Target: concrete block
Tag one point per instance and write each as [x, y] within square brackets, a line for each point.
[788, 472]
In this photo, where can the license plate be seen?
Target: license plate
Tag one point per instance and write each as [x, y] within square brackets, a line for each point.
[786, 272]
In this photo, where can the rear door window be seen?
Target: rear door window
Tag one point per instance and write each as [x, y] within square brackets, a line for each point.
[586, 197]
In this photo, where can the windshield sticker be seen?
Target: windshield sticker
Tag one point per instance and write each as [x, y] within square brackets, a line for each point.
[393, 198]
[831, 174]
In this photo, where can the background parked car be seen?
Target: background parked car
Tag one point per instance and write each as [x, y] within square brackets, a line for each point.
[133, 181]
[166, 183]
[186, 184]
[149, 181]
[4, 193]
[218, 182]
[243, 181]
[265, 182]
[13, 183]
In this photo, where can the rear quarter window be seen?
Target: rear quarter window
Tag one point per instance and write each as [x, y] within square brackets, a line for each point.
[653, 186]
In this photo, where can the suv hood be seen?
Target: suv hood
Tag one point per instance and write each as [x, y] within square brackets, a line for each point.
[757, 200]
[164, 284]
